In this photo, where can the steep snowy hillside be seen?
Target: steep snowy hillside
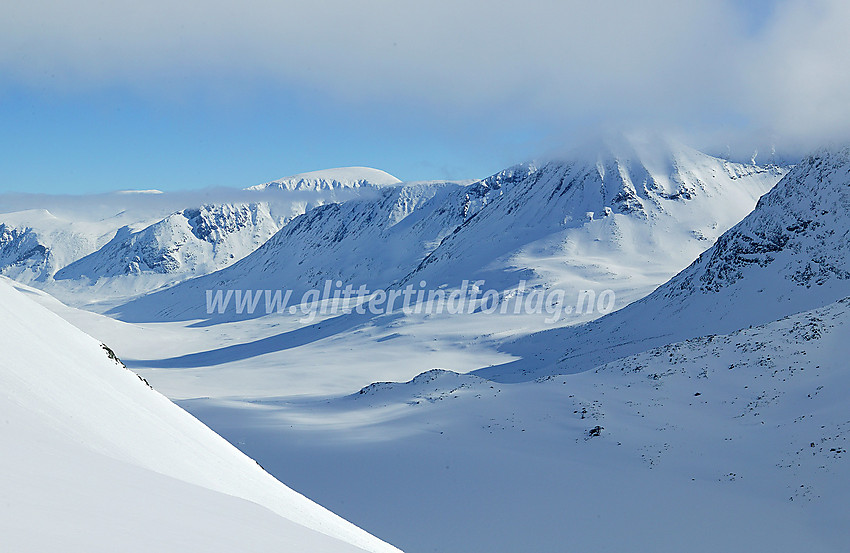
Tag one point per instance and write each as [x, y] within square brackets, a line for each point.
[720, 443]
[791, 254]
[97, 461]
[331, 179]
[371, 242]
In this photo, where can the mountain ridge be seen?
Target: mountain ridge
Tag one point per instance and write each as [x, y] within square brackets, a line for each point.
[331, 179]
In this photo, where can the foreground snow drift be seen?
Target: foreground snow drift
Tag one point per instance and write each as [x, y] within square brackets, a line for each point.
[97, 461]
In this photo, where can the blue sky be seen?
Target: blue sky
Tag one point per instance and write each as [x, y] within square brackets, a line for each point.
[112, 138]
[119, 97]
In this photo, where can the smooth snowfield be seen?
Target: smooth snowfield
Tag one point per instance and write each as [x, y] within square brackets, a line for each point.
[98, 461]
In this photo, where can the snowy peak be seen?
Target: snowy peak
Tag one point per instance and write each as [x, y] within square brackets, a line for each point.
[646, 203]
[373, 242]
[21, 251]
[606, 218]
[332, 179]
[636, 175]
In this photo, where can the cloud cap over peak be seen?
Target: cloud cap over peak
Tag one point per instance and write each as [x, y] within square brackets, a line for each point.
[768, 66]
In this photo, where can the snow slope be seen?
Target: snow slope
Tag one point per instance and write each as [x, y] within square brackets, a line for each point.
[789, 255]
[331, 179]
[101, 462]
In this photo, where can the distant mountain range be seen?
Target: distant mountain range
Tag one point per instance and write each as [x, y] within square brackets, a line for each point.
[128, 244]
[627, 216]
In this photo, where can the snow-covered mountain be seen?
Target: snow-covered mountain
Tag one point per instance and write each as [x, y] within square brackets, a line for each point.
[792, 253]
[373, 242]
[630, 212]
[22, 255]
[112, 247]
[332, 179]
[189, 242]
[789, 255]
[726, 384]
[98, 461]
[626, 217]
[35, 244]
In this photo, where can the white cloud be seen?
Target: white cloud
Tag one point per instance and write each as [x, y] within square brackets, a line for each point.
[621, 61]
[797, 75]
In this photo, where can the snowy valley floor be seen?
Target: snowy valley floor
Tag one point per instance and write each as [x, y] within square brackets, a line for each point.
[731, 443]
[735, 443]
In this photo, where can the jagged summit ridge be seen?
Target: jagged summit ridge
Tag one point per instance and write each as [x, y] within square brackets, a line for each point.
[331, 179]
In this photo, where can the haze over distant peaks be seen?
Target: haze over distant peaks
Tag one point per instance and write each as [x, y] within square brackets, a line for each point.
[330, 179]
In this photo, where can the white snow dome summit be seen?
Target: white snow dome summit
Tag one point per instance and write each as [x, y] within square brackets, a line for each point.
[332, 179]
